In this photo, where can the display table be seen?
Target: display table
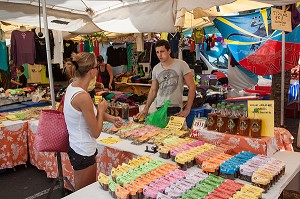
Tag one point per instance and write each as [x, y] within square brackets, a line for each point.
[134, 88]
[292, 160]
[13, 144]
[282, 140]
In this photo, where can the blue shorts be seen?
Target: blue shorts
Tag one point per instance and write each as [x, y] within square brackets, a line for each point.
[80, 162]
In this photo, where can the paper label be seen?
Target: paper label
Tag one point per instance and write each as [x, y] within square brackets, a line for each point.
[175, 123]
[199, 123]
[265, 113]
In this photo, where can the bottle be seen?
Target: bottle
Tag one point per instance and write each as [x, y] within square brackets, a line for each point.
[228, 110]
[233, 121]
[238, 111]
[212, 119]
[242, 106]
[244, 123]
[255, 125]
[218, 110]
[222, 120]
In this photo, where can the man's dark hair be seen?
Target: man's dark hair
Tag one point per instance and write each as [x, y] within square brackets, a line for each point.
[21, 68]
[163, 43]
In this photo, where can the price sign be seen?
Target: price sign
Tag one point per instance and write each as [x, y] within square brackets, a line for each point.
[199, 123]
[175, 123]
[265, 113]
[281, 20]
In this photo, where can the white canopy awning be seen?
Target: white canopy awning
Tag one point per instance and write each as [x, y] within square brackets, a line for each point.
[87, 16]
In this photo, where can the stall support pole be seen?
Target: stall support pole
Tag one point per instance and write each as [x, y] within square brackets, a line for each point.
[282, 77]
[48, 54]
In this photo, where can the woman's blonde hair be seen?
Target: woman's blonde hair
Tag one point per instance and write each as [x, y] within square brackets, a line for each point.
[70, 69]
[83, 62]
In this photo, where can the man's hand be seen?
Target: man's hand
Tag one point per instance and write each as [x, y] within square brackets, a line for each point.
[183, 113]
[118, 122]
[143, 113]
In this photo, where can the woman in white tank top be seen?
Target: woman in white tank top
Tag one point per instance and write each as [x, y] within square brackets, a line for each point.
[84, 121]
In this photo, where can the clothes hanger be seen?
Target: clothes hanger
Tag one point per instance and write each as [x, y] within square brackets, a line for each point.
[22, 28]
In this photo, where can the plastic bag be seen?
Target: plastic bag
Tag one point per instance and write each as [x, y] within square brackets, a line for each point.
[159, 118]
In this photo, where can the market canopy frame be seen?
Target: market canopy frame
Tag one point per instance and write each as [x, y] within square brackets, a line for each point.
[126, 16]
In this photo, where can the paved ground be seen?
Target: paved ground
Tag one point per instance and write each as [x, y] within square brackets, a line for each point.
[31, 183]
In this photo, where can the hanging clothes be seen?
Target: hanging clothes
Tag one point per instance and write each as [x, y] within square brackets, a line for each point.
[103, 51]
[129, 57]
[3, 56]
[26, 72]
[81, 46]
[122, 52]
[197, 35]
[112, 56]
[22, 47]
[164, 36]
[145, 56]
[69, 48]
[96, 48]
[173, 39]
[35, 73]
[3, 52]
[58, 48]
[139, 42]
[45, 80]
[40, 48]
[86, 47]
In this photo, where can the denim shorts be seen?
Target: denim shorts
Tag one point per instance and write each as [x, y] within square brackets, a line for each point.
[80, 162]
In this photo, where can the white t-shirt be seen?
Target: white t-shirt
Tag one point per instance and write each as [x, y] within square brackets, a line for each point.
[80, 138]
[170, 82]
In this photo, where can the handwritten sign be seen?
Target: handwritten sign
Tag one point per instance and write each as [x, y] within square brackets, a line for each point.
[199, 123]
[175, 123]
[281, 20]
[97, 99]
[265, 113]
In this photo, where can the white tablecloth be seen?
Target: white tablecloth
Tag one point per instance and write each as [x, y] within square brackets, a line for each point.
[292, 160]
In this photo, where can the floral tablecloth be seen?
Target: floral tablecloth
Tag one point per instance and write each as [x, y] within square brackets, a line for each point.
[13, 144]
[107, 158]
[282, 140]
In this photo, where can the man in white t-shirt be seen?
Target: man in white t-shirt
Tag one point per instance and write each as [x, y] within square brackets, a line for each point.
[168, 79]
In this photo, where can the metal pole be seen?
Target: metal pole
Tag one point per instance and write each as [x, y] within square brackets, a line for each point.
[282, 77]
[48, 54]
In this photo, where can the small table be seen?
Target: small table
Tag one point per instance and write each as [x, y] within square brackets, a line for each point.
[13, 144]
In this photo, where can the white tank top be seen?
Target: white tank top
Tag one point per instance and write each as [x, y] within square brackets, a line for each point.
[80, 138]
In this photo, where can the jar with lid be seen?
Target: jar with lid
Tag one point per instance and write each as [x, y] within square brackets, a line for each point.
[244, 123]
[212, 119]
[255, 125]
[222, 120]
